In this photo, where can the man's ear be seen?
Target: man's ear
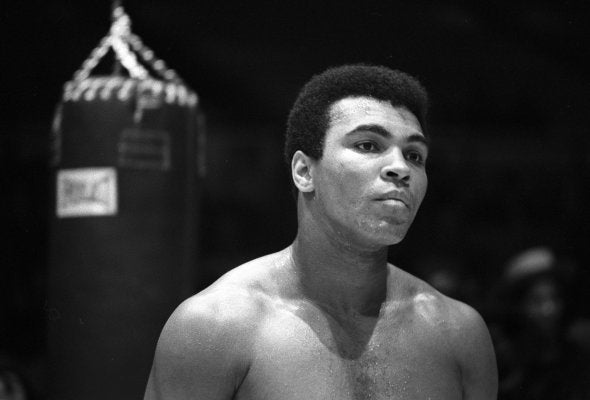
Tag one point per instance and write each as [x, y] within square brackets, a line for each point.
[301, 166]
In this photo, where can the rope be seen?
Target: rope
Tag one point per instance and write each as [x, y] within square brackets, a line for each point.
[125, 45]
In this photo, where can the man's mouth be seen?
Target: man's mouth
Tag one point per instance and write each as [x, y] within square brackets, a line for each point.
[393, 202]
[395, 198]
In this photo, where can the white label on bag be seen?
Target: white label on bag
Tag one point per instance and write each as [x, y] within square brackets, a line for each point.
[86, 192]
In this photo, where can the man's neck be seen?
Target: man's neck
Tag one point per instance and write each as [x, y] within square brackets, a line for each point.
[346, 280]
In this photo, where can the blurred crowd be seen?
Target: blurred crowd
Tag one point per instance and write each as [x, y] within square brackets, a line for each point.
[541, 333]
[537, 314]
[12, 386]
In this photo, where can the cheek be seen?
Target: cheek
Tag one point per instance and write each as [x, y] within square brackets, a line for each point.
[341, 190]
[345, 180]
[424, 186]
[354, 185]
[421, 187]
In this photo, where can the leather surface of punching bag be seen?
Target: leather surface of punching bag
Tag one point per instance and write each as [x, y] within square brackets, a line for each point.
[122, 230]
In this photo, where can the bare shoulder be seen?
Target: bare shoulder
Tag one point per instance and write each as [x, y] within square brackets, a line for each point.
[472, 345]
[236, 300]
[204, 349]
[225, 311]
[465, 332]
[219, 313]
[439, 309]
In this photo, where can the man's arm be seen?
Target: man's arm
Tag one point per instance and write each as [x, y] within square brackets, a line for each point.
[473, 346]
[202, 351]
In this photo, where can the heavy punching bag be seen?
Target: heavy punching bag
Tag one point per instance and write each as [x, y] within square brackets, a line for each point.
[126, 151]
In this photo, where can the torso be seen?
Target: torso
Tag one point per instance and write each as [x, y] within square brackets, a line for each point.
[401, 359]
[300, 352]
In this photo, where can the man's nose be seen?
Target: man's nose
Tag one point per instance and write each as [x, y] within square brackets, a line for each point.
[396, 167]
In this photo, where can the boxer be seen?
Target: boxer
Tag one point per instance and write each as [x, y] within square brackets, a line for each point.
[328, 317]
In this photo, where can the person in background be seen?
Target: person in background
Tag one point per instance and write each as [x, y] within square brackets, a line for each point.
[538, 353]
[12, 386]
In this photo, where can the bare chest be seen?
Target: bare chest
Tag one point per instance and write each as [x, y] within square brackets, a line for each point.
[319, 359]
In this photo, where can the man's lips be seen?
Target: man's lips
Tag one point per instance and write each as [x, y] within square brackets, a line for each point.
[394, 197]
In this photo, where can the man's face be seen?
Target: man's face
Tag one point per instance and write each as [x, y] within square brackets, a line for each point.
[371, 179]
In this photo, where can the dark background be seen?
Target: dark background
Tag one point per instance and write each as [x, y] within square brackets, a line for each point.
[509, 82]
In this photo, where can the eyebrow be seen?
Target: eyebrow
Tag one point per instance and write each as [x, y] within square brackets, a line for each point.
[381, 131]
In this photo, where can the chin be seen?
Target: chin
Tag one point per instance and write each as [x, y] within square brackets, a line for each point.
[395, 239]
[389, 236]
[379, 233]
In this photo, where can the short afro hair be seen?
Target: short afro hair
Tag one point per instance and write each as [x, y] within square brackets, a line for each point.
[309, 118]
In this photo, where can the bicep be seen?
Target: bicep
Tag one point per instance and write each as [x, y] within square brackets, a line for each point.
[196, 358]
[476, 355]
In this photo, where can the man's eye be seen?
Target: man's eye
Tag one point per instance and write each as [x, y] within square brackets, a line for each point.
[416, 157]
[367, 147]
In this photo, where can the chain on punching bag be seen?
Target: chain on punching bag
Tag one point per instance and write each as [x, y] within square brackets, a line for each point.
[126, 156]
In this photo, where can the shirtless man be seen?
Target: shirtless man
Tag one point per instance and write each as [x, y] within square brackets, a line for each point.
[328, 317]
